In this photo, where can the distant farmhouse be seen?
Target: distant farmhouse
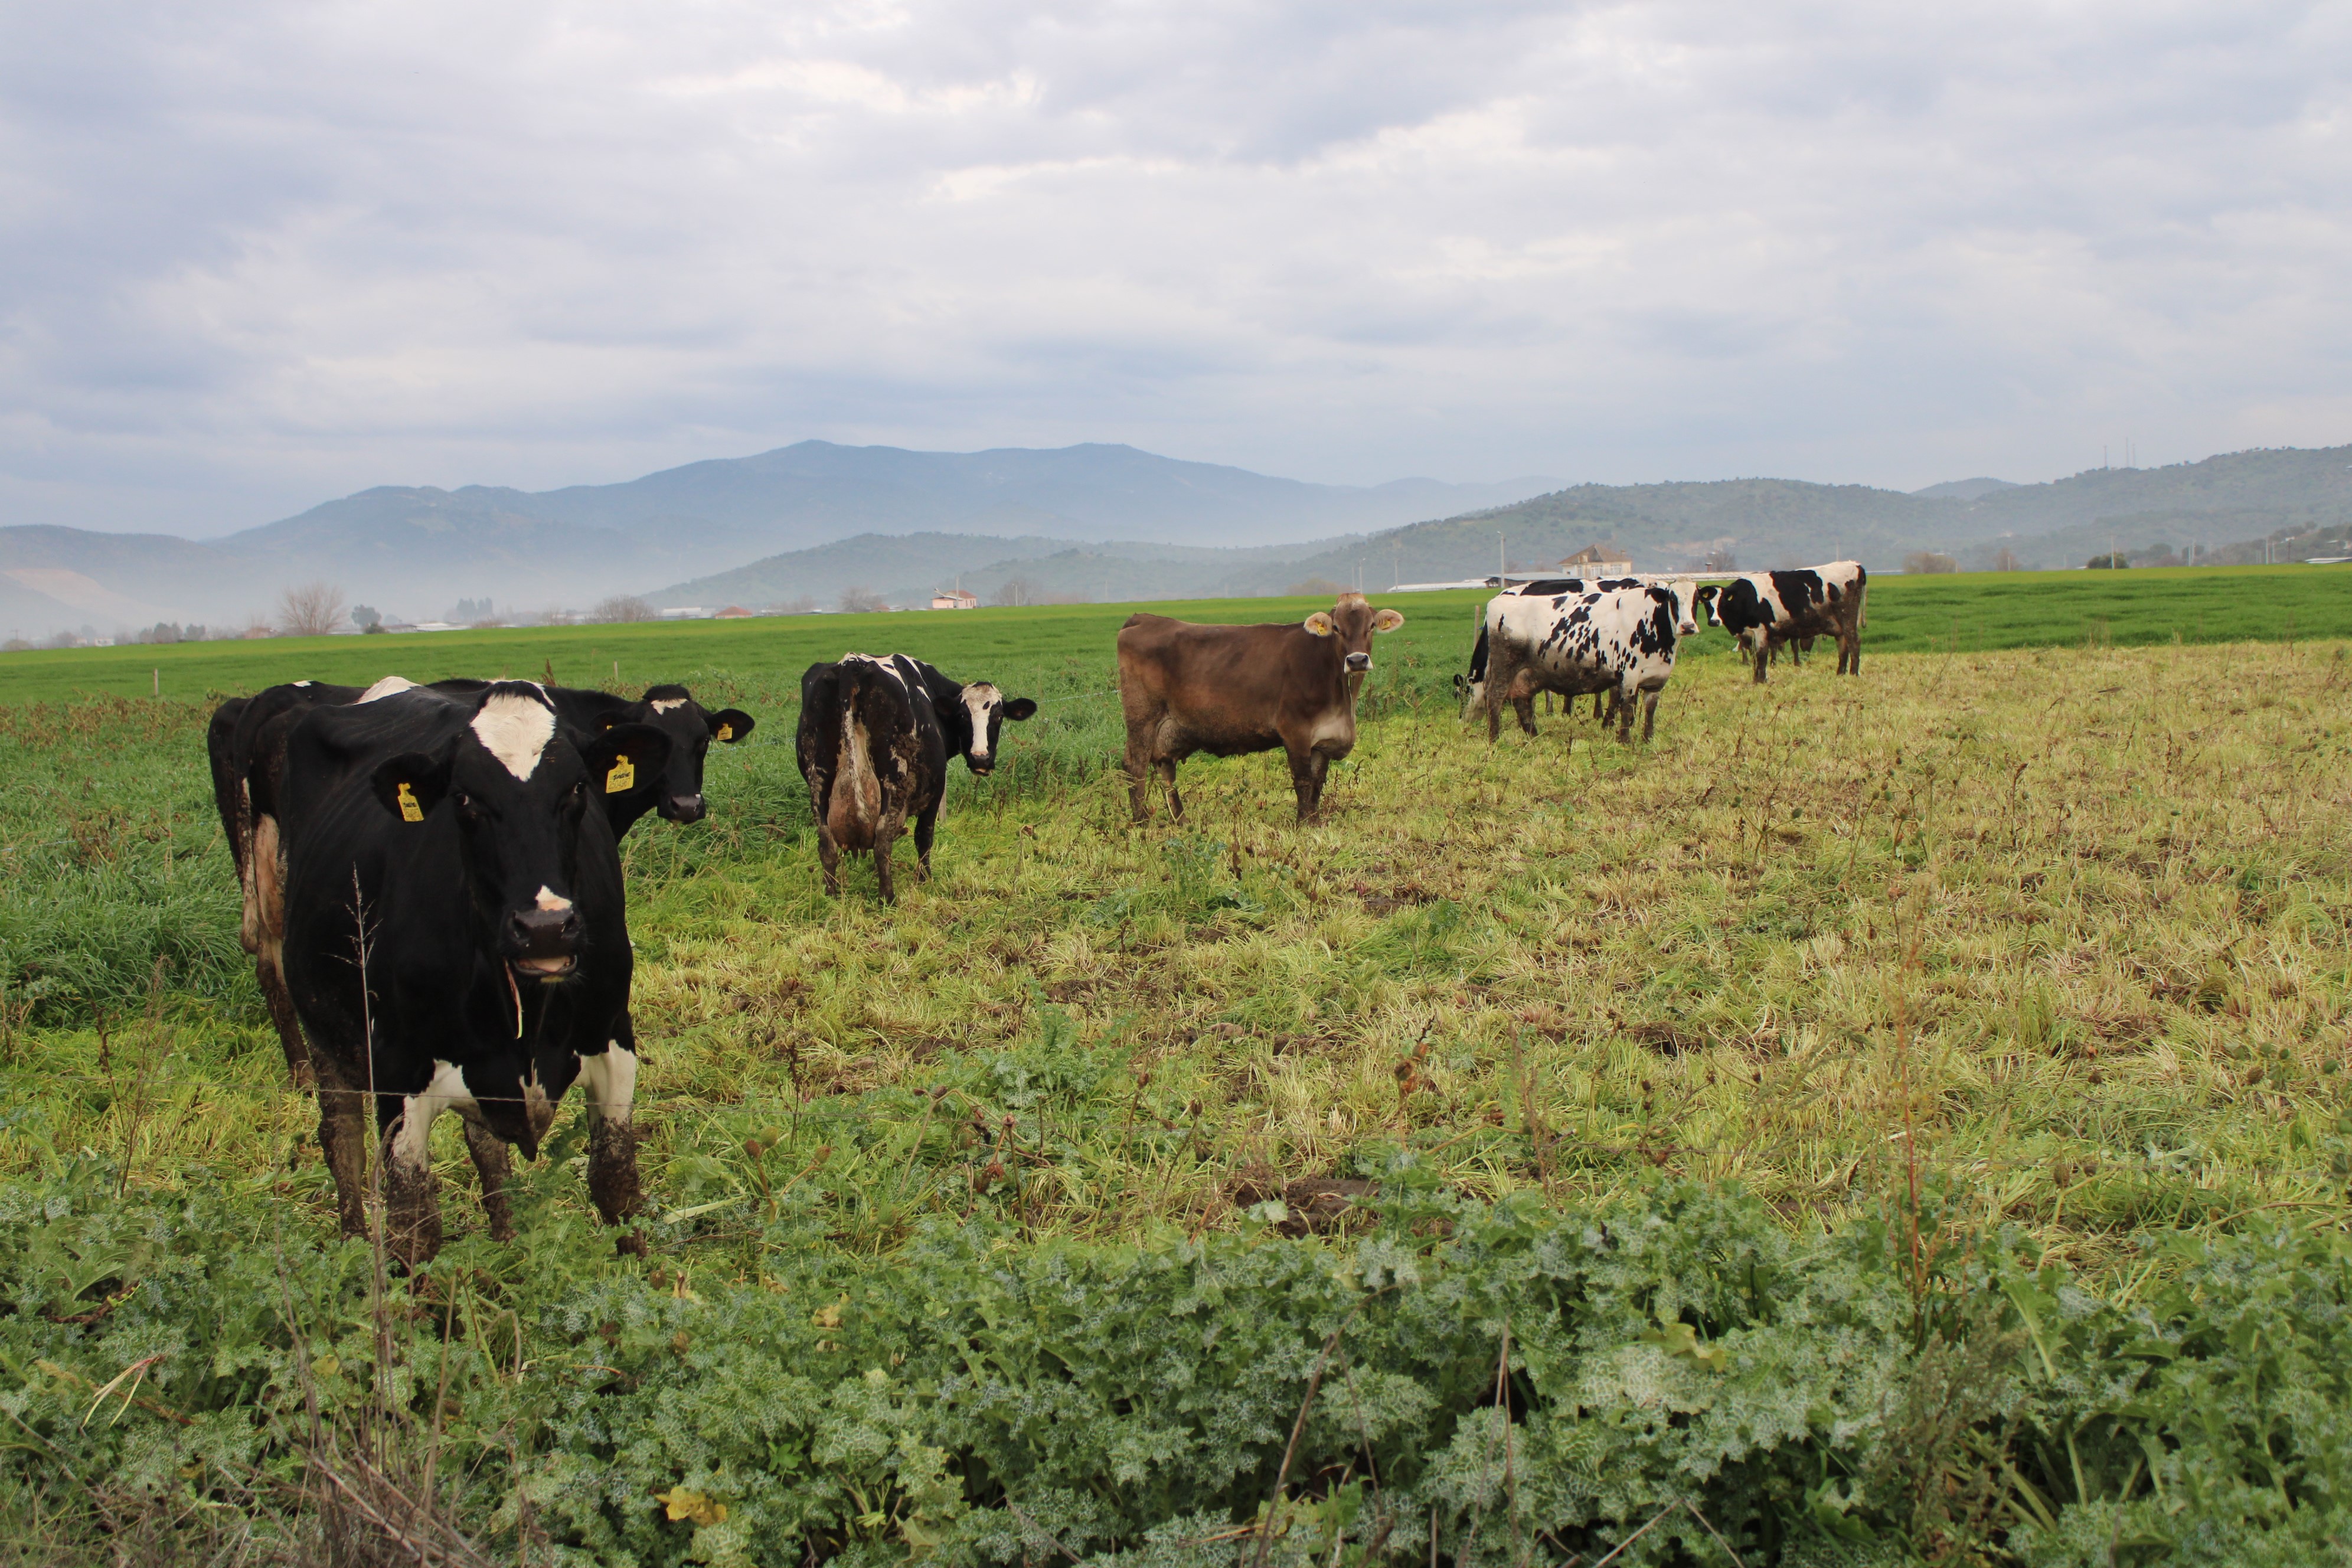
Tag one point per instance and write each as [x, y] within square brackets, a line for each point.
[732, 613]
[954, 599]
[1598, 560]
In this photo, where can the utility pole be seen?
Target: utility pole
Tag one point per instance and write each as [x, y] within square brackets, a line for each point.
[1502, 561]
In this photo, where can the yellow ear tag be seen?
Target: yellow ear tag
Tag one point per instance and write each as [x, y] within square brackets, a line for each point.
[726, 731]
[624, 776]
[406, 800]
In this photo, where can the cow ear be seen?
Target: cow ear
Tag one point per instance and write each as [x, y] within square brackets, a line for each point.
[626, 758]
[411, 784]
[731, 725]
[1020, 708]
[1387, 621]
[1319, 623]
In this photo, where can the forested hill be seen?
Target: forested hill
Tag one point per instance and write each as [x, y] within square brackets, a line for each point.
[2218, 501]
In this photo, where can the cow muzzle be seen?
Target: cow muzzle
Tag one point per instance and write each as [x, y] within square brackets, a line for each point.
[984, 766]
[684, 808]
[1358, 662]
[543, 945]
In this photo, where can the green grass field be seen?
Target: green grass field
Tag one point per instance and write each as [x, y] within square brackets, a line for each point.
[1904, 1117]
[764, 656]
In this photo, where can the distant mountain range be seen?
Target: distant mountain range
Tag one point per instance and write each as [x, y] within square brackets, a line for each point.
[414, 551]
[1758, 523]
[807, 522]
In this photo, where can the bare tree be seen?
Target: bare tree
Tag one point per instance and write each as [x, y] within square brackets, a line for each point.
[1314, 588]
[310, 610]
[1719, 559]
[1016, 591]
[621, 607]
[1927, 560]
[2005, 560]
[862, 602]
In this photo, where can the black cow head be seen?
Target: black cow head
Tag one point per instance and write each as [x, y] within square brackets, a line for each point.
[517, 790]
[1733, 605]
[974, 718]
[1352, 622]
[691, 728]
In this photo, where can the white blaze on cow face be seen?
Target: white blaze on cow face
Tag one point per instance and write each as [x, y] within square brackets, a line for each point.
[1685, 613]
[983, 701]
[390, 686]
[664, 704]
[515, 729]
[551, 900]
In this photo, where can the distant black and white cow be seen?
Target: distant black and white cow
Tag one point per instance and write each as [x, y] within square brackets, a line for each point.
[1767, 610]
[874, 742]
[246, 740]
[455, 937]
[1617, 641]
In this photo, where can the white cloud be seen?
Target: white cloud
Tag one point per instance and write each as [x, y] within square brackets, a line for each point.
[255, 255]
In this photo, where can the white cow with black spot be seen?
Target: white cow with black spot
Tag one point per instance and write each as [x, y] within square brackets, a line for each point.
[1617, 640]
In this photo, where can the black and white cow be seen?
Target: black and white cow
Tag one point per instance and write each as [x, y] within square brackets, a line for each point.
[245, 742]
[1767, 610]
[1471, 690]
[874, 742]
[456, 938]
[1615, 641]
[691, 729]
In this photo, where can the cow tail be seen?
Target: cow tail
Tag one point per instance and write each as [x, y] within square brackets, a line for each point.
[1861, 599]
[1478, 655]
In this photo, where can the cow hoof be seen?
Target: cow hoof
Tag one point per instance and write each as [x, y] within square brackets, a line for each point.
[629, 1244]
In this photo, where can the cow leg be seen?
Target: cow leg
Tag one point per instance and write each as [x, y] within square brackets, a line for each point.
[1167, 766]
[610, 1080]
[1649, 717]
[490, 1164]
[1138, 773]
[1849, 654]
[1522, 700]
[885, 838]
[1762, 650]
[1600, 708]
[286, 1022]
[343, 1139]
[1307, 774]
[411, 1210]
[1625, 703]
[828, 854]
[925, 825]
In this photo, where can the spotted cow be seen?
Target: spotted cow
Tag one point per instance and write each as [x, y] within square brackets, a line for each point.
[1766, 611]
[245, 742]
[874, 737]
[456, 938]
[1617, 641]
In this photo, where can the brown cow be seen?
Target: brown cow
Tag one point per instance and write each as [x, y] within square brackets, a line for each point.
[1228, 691]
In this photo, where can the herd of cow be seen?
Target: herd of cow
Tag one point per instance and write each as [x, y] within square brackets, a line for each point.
[433, 891]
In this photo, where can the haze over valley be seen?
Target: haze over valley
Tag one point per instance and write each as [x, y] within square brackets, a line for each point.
[803, 526]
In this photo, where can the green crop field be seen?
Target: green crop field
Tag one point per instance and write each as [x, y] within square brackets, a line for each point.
[1888, 1119]
[1908, 614]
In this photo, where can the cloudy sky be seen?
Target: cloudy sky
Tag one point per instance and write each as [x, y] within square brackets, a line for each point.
[253, 255]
